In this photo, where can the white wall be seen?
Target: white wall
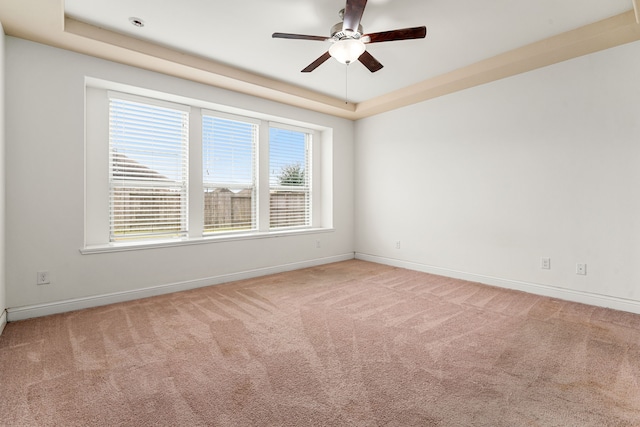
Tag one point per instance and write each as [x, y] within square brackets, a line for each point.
[477, 184]
[45, 187]
[483, 183]
[3, 303]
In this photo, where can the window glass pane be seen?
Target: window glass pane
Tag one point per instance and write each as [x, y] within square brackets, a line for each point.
[289, 178]
[148, 171]
[228, 154]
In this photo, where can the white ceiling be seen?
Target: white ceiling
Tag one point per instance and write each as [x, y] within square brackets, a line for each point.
[238, 34]
[228, 44]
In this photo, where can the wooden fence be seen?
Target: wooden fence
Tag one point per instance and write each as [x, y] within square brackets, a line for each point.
[223, 210]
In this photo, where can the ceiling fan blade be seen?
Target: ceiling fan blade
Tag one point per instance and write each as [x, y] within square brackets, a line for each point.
[370, 62]
[353, 11]
[315, 64]
[402, 34]
[297, 36]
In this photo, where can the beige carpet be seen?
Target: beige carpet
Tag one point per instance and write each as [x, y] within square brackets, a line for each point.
[346, 344]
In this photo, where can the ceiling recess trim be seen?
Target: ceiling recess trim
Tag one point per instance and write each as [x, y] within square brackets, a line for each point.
[142, 54]
[611, 32]
[43, 21]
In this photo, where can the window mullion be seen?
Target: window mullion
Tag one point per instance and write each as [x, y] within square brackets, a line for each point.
[196, 188]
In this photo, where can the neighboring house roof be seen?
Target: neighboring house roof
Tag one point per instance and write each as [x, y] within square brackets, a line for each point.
[126, 167]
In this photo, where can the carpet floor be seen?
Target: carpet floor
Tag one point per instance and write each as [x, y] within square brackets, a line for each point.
[345, 344]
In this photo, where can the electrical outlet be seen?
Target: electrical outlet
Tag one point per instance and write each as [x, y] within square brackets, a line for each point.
[397, 244]
[581, 269]
[545, 263]
[43, 278]
[317, 243]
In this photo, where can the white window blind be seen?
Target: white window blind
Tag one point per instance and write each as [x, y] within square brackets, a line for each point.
[148, 170]
[229, 170]
[289, 178]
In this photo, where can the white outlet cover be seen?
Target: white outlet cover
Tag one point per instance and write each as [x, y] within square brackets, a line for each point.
[545, 263]
[43, 278]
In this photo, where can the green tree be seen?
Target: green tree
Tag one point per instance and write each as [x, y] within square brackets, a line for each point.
[292, 175]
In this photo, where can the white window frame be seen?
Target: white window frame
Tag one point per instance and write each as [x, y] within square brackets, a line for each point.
[97, 171]
[256, 182]
[182, 184]
[309, 170]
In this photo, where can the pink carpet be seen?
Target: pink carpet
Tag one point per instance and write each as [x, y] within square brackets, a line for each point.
[345, 344]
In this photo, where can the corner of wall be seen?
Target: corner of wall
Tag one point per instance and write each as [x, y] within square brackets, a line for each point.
[3, 300]
[3, 320]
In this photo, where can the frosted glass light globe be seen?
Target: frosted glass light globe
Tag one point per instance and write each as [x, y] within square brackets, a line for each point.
[347, 50]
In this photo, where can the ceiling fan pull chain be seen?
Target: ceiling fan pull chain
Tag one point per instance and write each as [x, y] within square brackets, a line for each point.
[346, 84]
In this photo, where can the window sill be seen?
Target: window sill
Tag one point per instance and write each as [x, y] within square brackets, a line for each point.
[136, 246]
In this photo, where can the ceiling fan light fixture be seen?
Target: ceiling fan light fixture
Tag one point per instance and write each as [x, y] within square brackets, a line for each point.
[347, 50]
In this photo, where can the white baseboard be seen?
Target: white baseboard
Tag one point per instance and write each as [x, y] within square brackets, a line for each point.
[3, 320]
[26, 312]
[632, 306]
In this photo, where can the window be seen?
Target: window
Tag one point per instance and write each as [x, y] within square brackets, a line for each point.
[228, 154]
[290, 178]
[148, 171]
[169, 170]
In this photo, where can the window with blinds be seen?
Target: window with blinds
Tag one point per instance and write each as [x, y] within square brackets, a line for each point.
[162, 169]
[148, 170]
[289, 178]
[229, 165]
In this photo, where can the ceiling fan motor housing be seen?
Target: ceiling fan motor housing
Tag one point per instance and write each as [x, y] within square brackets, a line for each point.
[337, 32]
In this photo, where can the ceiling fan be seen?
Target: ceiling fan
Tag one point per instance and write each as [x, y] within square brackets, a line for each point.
[348, 40]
